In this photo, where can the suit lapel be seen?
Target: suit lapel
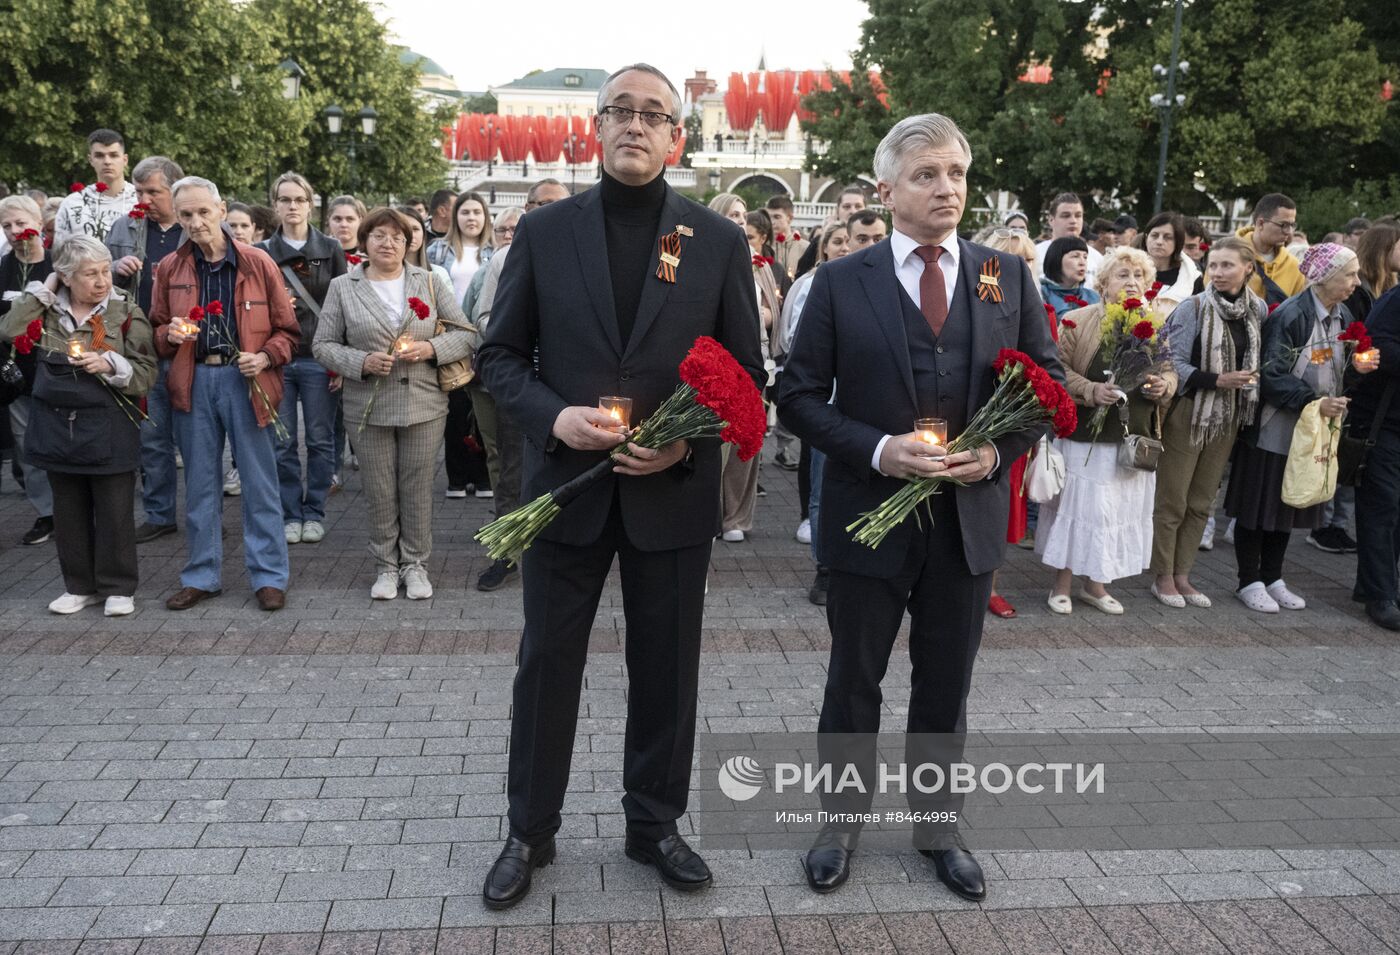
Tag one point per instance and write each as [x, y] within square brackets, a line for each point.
[980, 316]
[372, 302]
[674, 211]
[592, 244]
[882, 289]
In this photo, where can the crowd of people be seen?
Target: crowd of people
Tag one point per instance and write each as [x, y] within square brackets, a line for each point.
[308, 366]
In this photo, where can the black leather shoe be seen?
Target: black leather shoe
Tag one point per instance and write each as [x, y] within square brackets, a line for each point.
[1383, 613]
[828, 862]
[817, 594]
[959, 871]
[509, 879]
[678, 864]
[149, 532]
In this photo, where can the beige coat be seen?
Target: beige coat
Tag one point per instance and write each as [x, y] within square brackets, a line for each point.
[1079, 344]
[354, 323]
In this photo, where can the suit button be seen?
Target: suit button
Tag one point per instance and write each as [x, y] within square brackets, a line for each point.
[626, 378]
[942, 374]
[940, 349]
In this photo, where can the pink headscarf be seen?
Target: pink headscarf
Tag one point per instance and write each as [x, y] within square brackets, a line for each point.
[1324, 260]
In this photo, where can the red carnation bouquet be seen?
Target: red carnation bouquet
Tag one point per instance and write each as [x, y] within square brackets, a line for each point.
[417, 310]
[1025, 397]
[1131, 341]
[716, 398]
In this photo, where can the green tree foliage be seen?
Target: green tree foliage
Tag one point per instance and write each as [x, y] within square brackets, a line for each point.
[1277, 97]
[198, 81]
[851, 120]
[349, 62]
[161, 72]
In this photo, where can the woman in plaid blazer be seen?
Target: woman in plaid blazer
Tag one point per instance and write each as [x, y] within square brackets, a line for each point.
[378, 331]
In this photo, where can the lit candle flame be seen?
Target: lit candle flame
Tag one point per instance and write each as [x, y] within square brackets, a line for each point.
[75, 347]
[615, 414]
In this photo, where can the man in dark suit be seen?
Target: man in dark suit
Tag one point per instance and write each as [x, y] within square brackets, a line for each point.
[907, 329]
[587, 306]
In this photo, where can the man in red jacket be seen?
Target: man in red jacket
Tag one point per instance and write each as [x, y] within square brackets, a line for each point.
[223, 318]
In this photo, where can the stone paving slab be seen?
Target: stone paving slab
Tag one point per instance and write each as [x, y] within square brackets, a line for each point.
[331, 778]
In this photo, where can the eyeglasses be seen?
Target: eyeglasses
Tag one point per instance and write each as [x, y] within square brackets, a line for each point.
[1006, 232]
[1285, 226]
[293, 201]
[622, 116]
[386, 238]
[503, 229]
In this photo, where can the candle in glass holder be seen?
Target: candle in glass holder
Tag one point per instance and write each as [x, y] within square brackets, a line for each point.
[1369, 355]
[932, 431]
[619, 409]
[403, 343]
[1320, 356]
[75, 348]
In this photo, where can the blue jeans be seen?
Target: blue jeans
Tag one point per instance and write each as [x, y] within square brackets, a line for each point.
[305, 380]
[815, 504]
[159, 478]
[220, 407]
[36, 480]
[1340, 511]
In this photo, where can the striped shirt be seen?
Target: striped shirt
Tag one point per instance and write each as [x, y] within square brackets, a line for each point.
[218, 335]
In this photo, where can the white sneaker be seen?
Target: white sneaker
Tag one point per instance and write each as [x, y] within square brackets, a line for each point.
[1284, 597]
[416, 582]
[119, 606]
[484, 492]
[386, 586]
[232, 485]
[734, 536]
[72, 603]
[313, 532]
[456, 493]
[292, 530]
[804, 532]
[1255, 597]
[1229, 537]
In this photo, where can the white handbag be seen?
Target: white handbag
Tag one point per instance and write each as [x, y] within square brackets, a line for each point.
[1045, 474]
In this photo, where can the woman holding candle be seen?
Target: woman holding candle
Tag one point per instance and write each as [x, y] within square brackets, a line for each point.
[95, 360]
[391, 386]
[1100, 526]
[27, 261]
[1302, 362]
[1214, 339]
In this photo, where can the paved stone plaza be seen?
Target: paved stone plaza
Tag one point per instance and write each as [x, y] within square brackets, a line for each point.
[331, 777]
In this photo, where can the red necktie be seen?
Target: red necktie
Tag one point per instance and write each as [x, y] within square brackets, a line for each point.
[933, 294]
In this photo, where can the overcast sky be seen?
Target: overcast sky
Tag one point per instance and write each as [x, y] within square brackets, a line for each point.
[678, 37]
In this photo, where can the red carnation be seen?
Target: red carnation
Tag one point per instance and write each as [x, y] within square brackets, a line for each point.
[76, 187]
[1143, 330]
[1066, 419]
[136, 214]
[1355, 332]
[27, 234]
[1151, 293]
[23, 345]
[1156, 286]
[419, 307]
[1076, 301]
[35, 330]
[782, 236]
[1205, 246]
[1132, 304]
[196, 315]
[723, 386]
[1069, 323]
[215, 307]
[352, 259]
[1010, 356]
[332, 374]
[1272, 306]
[1050, 310]
[795, 235]
[100, 187]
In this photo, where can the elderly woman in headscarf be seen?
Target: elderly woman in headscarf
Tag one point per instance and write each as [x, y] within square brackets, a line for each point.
[1302, 362]
[1214, 338]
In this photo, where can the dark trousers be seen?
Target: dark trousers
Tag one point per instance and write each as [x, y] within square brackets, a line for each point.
[804, 479]
[1259, 555]
[1378, 524]
[947, 605]
[465, 464]
[510, 448]
[94, 527]
[663, 596]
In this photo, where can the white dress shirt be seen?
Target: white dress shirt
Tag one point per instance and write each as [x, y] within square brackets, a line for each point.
[909, 268]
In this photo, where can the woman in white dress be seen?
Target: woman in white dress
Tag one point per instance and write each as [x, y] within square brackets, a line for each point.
[1100, 526]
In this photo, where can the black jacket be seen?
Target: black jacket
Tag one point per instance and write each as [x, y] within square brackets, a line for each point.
[315, 264]
[1383, 324]
[554, 342]
[10, 281]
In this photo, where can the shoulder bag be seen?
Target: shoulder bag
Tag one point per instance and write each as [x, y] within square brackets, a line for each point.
[1138, 452]
[453, 374]
[1352, 451]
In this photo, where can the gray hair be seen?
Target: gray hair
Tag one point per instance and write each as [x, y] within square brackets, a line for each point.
[157, 165]
[534, 192]
[22, 204]
[507, 212]
[194, 182]
[77, 252]
[642, 68]
[924, 131]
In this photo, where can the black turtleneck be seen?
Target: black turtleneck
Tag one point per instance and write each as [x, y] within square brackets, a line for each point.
[631, 216]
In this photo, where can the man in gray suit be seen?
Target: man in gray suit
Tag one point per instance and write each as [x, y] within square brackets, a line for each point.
[907, 329]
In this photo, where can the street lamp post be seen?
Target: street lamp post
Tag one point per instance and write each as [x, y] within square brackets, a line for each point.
[335, 122]
[1167, 104]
